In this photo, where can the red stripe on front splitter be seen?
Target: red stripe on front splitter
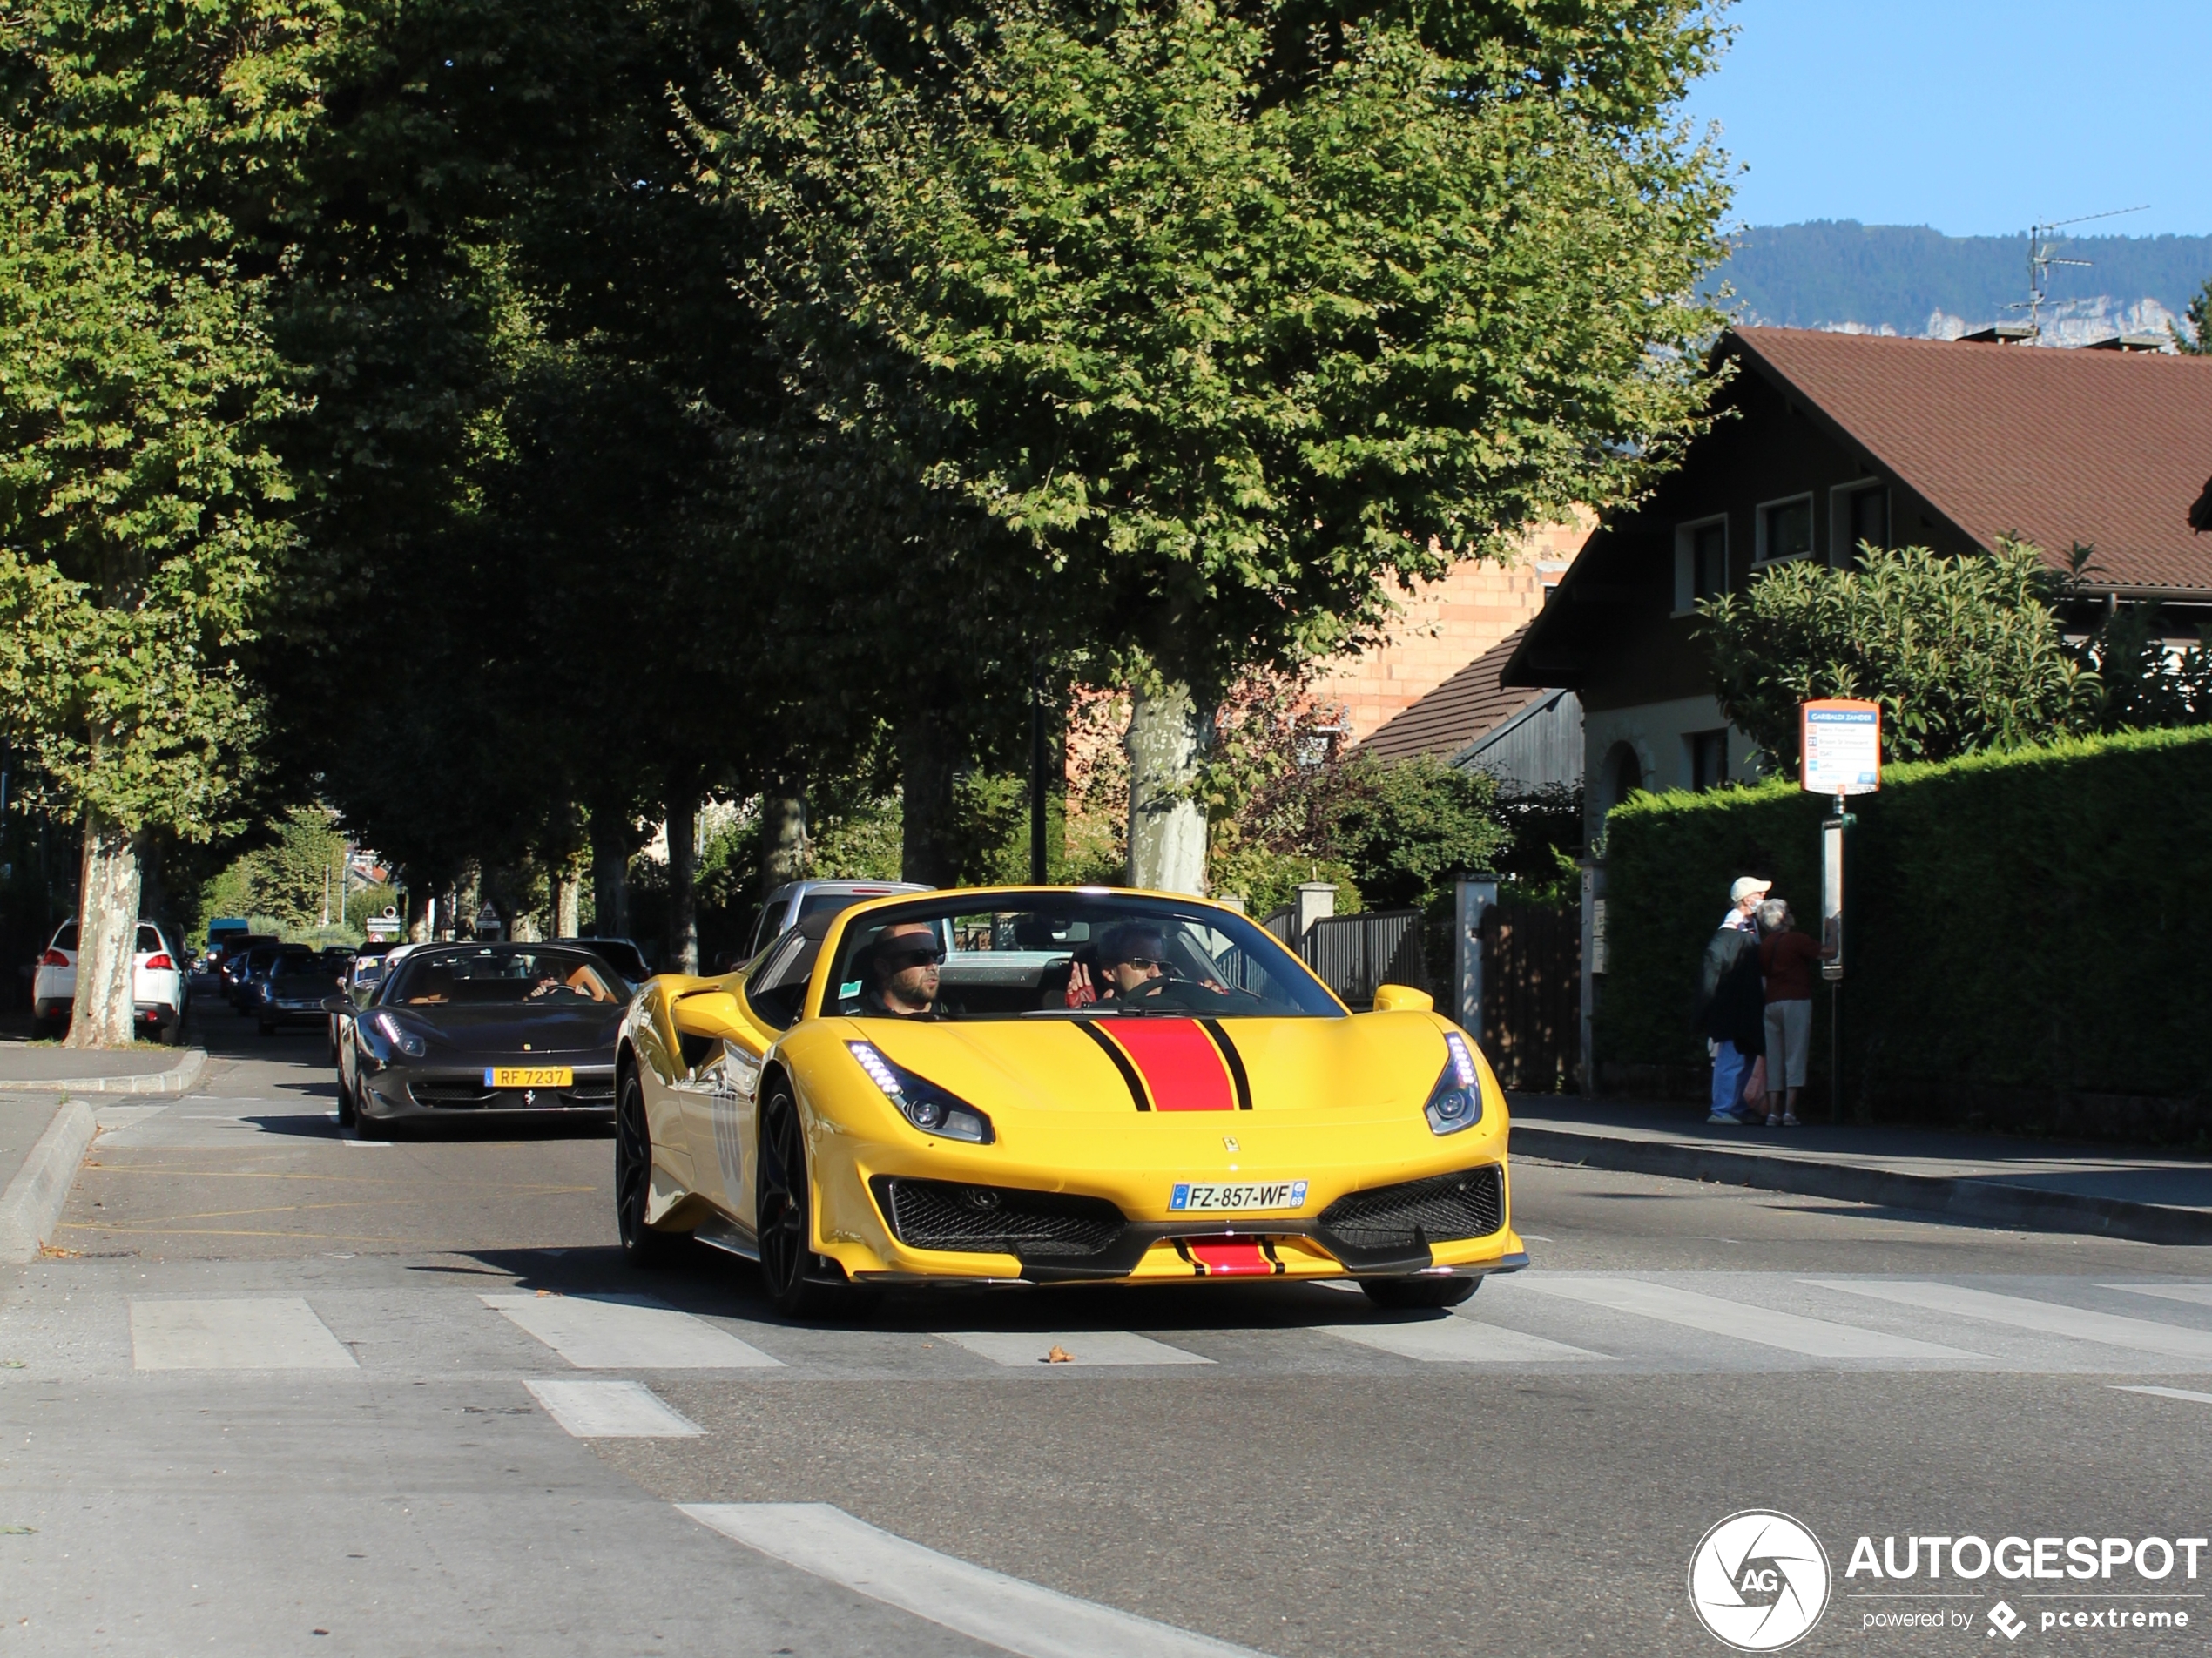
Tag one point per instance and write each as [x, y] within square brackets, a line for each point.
[1182, 1067]
[1231, 1260]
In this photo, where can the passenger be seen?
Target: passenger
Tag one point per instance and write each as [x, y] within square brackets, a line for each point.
[1132, 959]
[902, 972]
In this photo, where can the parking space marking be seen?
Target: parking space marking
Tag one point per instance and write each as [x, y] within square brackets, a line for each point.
[2190, 1394]
[1741, 1321]
[1003, 1612]
[627, 1332]
[611, 1411]
[2046, 1317]
[270, 1332]
[1025, 1348]
[1446, 1339]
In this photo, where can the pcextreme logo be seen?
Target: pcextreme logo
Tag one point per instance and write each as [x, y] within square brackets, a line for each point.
[1759, 1580]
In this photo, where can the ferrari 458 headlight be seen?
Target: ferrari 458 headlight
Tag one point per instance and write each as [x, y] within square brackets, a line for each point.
[400, 1036]
[921, 1103]
[1456, 1100]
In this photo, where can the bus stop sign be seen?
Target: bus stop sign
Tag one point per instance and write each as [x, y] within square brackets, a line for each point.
[1840, 742]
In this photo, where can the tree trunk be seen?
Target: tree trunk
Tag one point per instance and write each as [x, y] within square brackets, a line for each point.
[610, 874]
[1167, 828]
[783, 838]
[926, 762]
[683, 888]
[568, 904]
[418, 925]
[107, 936]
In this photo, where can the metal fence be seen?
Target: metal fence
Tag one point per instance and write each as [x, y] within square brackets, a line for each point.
[1353, 954]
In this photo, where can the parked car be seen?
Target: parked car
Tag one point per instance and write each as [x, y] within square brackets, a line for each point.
[252, 968]
[794, 901]
[231, 965]
[160, 989]
[293, 989]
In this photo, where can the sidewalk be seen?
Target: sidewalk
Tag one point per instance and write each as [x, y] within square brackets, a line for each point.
[2045, 1185]
[46, 1123]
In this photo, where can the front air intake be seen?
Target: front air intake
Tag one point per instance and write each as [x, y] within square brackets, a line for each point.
[1471, 1203]
[994, 1220]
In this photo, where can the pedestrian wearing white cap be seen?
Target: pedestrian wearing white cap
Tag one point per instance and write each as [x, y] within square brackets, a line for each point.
[1744, 897]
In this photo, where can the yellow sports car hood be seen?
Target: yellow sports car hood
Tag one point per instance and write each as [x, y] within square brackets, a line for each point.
[1364, 1068]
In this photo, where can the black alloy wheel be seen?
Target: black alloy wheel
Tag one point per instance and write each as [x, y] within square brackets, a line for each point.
[1407, 1295]
[642, 1246]
[784, 1212]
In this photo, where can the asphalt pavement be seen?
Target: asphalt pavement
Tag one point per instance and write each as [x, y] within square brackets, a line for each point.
[289, 1391]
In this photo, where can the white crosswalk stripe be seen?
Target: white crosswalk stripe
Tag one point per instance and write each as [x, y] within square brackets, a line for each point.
[2189, 1393]
[262, 1333]
[627, 1332]
[611, 1411]
[2047, 1318]
[1450, 1339]
[1740, 1321]
[2199, 1295]
[1024, 1348]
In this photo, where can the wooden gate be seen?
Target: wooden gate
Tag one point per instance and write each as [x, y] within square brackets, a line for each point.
[1532, 994]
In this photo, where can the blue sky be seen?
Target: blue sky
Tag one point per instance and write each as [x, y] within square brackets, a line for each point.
[1973, 117]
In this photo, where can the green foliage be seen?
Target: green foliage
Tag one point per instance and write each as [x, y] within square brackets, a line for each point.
[2024, 921]
[1223, 318]
[2142, 684]
[289, 880]
[2197, 340]
[1962, 653]
[1409, 827]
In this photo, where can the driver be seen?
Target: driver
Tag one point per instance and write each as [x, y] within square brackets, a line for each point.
[902, 975]
[1131, 960]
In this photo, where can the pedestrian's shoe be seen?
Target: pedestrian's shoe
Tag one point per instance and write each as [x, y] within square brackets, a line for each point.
[1773, 1121]
[1791, 1122]
[1722, 1117]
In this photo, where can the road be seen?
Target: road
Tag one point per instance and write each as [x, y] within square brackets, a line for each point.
[288, 1392]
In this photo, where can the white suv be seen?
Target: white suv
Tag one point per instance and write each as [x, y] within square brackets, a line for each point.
[160, 989]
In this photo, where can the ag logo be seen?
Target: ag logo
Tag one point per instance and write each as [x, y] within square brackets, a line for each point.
[1759, 1580]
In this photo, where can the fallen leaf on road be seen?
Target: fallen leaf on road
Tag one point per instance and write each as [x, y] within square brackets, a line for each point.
[541, 1294]
[1059, 1355]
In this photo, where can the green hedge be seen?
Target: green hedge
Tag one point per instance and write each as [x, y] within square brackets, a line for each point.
[2030, 925]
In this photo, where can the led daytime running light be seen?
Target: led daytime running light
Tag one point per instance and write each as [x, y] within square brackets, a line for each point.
[923, 1103]
[1462, 1061]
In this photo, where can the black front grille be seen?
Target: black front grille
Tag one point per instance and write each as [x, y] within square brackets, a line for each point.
[453, 1094]
[1469, 1204]
[944, 1214]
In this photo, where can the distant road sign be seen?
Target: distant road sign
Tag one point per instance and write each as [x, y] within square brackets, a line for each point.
[1840, 739]
[384, 928]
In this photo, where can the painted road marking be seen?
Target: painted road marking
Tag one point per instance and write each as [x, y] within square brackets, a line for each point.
[2170, 1392]
[1450, 1339]
[611, 1411]
[986, 1605]
[2049, 1317]
[627, 1332]
[1030, 1348]
[2197, 1295]
[274, 1332]
[1815, 1338]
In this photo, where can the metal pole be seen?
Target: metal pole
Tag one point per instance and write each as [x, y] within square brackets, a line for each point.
[1036, 773]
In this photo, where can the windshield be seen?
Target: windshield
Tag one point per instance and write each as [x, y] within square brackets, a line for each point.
[1068, 955]
[506, 972]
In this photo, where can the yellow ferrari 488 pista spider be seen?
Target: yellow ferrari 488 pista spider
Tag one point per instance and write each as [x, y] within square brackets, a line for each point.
[1052, 1086]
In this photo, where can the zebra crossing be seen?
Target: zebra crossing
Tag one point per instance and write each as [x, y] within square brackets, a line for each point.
[1600, 1323]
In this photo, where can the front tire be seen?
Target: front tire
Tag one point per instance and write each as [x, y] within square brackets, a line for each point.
[1407, 1295]
[785, 1213]
[642, 1246]
[349, 1114]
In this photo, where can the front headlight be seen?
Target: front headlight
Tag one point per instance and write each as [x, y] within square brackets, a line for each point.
[1456, 1100]
[921, 1103]
[400, 1036]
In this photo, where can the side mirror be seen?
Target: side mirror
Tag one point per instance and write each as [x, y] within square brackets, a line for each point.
[1403, 998]
[336, 1005]
[709, 1013]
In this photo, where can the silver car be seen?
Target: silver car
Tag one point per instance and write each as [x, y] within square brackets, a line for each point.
[794, 901]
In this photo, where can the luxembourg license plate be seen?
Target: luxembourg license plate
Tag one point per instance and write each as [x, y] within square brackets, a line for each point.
[531, 1076]
[1201, 1196]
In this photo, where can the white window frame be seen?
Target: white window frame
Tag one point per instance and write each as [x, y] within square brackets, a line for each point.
[1761, 558]
[1840, 545]
[1685, 553]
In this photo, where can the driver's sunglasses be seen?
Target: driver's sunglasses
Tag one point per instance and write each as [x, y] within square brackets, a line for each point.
[909, 955]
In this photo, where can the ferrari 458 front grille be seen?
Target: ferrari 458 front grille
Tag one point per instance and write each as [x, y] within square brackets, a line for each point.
[1467, 1204]
[945, 1214]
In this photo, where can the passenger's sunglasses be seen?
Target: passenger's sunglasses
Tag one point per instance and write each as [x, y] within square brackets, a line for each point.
[906, 956]
[1142, 963]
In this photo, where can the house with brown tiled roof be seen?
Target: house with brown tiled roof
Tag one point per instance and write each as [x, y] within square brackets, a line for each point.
[1825, 441]
[1529, 739]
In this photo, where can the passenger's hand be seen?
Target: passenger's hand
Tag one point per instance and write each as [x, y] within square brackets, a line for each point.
[1081, 992]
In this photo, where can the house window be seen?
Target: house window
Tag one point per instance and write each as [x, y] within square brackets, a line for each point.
[1860, 515]
[1701, 564]
[1705, 757]
[1785, 529]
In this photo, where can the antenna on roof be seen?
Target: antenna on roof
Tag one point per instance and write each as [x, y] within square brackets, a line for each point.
[2042, 254]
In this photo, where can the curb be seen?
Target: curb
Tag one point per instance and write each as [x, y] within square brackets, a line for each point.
[179, 1077]
[34, 1197]
[1974, 1198]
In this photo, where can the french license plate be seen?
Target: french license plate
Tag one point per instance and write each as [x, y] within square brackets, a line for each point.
[532, 1077]
[1203, 1196]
